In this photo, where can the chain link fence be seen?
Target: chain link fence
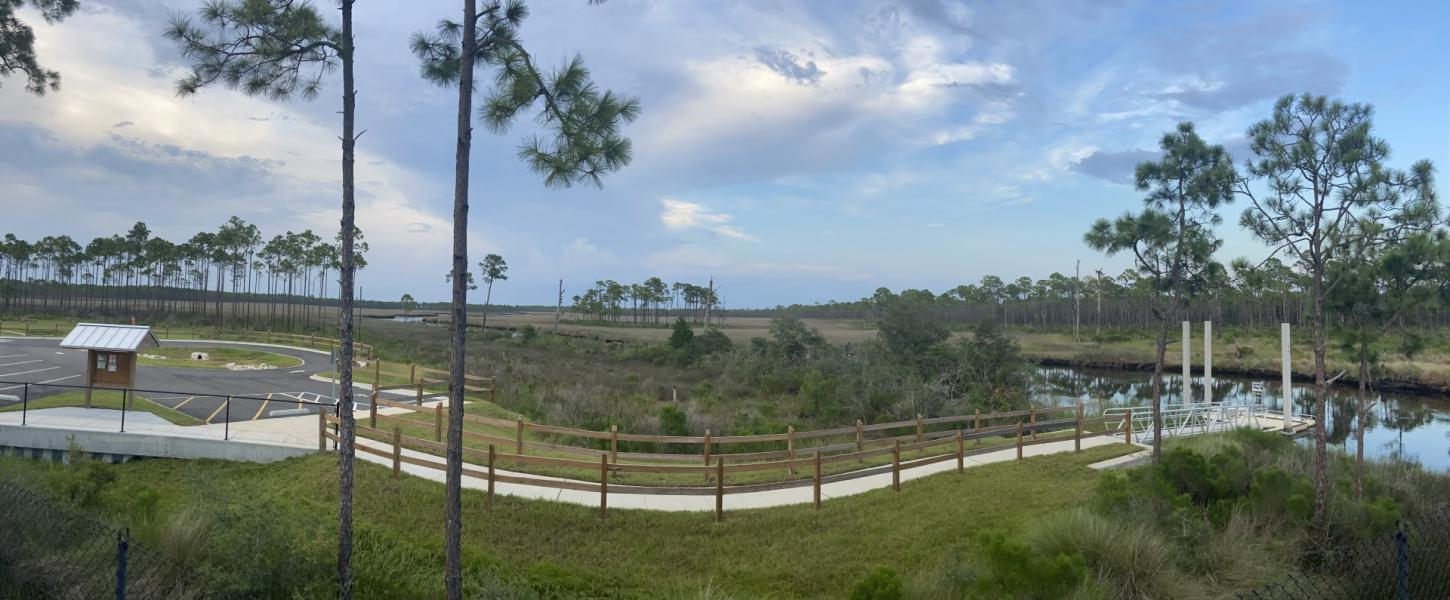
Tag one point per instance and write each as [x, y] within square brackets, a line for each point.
[50, 550]
[1413, 563]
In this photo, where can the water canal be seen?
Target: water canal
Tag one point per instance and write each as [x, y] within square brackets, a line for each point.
[1405, 426]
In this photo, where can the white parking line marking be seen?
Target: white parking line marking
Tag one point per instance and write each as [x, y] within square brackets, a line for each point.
[24, 372]
[183, 403]
[12, 356]
[219, 408]
[16, 387]
[23, 362]
[298, 371]
[262, 408]
[61, 353]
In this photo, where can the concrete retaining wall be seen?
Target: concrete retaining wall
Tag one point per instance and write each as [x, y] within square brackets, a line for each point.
[50, 442]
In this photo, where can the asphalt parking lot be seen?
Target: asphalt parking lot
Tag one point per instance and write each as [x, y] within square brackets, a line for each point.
[200, 393]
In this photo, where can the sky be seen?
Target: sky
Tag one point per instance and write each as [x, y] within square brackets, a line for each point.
[798, 152]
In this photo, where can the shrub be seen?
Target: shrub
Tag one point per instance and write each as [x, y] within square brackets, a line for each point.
[709, 342]
[1015, 570]
[681, 334]
[673, 421]
[85, 478]
[528, 333]
[1130, 559]
[880, 584]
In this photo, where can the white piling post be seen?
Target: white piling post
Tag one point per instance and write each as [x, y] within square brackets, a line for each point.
[1286, 366]
[1208, 362]
[1187, 364]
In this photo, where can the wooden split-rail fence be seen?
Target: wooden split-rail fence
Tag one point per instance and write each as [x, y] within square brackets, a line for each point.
[936, 446]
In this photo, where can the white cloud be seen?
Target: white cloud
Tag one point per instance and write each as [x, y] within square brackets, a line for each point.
[678, 215]
[689, 260]
[582, 252]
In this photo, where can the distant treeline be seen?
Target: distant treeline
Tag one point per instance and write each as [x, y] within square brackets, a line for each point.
[1242, 295]
[228, 275]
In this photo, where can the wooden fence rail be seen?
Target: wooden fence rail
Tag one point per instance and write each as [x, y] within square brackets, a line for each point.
[521, 429]
[947, 447]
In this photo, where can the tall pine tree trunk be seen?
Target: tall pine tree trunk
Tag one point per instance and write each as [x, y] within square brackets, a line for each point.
[1321, 391]
[1161, 352]
[345, 351]
[452, 511]
[487, 300]
[1359, 417]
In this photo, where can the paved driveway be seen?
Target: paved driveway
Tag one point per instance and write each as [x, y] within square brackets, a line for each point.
[201, 393]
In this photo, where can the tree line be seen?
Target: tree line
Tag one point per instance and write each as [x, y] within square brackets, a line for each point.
[1241, 293]
[648, 302]
[232, 274]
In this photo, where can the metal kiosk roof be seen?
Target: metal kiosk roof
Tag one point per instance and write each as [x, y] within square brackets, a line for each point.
[110, 338]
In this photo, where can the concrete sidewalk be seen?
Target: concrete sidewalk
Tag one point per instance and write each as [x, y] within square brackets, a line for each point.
[705, 503]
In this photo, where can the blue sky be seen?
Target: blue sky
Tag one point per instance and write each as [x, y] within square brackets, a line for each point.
[797, 151]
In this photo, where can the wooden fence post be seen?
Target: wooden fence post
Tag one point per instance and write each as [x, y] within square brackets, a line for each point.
[321, 431]
[519, 448]
[818, 479]
[1019, 440]
[420, 394]
[412, 373]
[860, 439]
[614, 443]
[790, 447]
[1077, 432]
[896, 466]
[1032, 415]
[918, 428]
[1128, 427]
[707, 454]
[490, 475]
[373, 410]
[976, 420]
[961, 453]
[719, 489]
[377, 375]
[603, 487]
[397, 450]
[438, 422]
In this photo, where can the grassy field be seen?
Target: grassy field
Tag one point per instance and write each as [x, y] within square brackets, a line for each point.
[106, 400]
[269, 532]
[1236, 349]
[740, 329]
[217, 358]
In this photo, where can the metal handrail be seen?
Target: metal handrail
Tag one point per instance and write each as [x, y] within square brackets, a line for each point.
[1197, 418]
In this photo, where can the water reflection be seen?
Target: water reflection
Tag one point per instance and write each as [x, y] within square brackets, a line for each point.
[1415, 428]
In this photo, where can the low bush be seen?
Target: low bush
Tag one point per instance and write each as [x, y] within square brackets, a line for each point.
[1017, 570]
[880, 584]
[1127, 559]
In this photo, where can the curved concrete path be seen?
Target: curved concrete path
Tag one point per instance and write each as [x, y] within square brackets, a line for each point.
[746, 500]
